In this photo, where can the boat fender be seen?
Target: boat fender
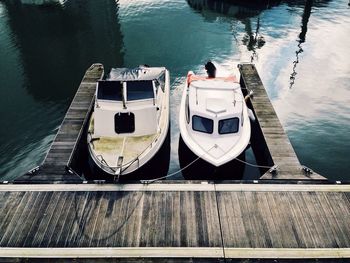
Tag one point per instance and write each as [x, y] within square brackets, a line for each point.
[251, 115]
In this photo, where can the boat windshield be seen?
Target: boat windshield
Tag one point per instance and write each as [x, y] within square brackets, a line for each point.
[229, 125]
[139, 90]
[202, 124]
[109, 90]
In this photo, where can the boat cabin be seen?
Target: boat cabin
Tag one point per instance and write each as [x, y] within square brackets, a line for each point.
[214, 108]
[127, 107]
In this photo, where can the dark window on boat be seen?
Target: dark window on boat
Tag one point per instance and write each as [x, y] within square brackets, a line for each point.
[202, 124]
[138, 90]
[124, 122]
[109, 90]
[229, 125]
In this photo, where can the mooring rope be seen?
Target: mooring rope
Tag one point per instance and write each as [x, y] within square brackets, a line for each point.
[195, 160]
[254, 165]
[178, 171]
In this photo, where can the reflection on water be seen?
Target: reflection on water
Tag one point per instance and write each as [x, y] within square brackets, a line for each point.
[45, 50]
[56, 38]
[48, 49]
[253, 40]
[302, 36]
[237, 11]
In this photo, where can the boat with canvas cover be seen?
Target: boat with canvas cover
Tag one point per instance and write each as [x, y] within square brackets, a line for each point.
[214, 128]
[128, 136]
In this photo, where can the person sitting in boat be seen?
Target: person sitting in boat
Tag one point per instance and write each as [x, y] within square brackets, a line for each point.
[211, 70]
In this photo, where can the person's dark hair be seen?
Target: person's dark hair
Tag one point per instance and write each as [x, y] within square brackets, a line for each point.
[211, 69]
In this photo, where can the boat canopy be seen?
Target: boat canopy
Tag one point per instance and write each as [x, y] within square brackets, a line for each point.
[139, 73]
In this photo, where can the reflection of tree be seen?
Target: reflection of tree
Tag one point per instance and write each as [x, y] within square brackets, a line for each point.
[253, 40]
[242, 11]
[58, 42]
[302, 38]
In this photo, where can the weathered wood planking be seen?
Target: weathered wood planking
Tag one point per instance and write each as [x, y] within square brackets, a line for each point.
[110, 219]
[285, 219]
[67, 138]
[239, 224]
[269, 138]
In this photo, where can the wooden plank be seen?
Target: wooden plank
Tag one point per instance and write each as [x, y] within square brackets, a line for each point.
[53, 221]
[259, 233]
[91, 218]
[34, 225]
[10, 207]
[281, 213]
[59, 231]
[12, 222]
[75, 230]
[174, 232]
[7, 199]
[265, 210]
[25, 221]
[82, 235]
[321, 217]
[231, 217]
[103, 231]
[46, 216]
[339, 208]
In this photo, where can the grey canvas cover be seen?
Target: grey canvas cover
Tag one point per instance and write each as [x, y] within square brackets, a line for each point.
[139, 73]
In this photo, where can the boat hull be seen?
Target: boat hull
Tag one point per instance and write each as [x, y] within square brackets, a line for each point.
[195, 168]
[157, 166]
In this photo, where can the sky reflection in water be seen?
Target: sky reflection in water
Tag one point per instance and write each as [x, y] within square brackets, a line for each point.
[300, 50]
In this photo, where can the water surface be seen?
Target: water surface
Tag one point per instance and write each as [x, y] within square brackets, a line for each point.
[299, 47]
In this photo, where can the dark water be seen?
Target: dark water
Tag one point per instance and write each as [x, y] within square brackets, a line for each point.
[301, 49]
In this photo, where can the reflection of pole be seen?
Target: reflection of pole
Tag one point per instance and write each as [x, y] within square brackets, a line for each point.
[302, 37]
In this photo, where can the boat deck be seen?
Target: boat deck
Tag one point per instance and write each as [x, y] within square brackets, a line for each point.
[128, 147]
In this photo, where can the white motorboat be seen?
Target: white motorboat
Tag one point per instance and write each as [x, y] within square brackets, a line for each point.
[214, 124]
[128, 135]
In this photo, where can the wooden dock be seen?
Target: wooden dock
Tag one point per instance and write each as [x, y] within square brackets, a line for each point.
[211, 222]
[269, 141]
[54, 215]
[63, 152]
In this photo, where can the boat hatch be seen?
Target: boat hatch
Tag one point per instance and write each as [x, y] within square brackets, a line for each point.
[109, 90]
[216, 105]
[124, 122]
